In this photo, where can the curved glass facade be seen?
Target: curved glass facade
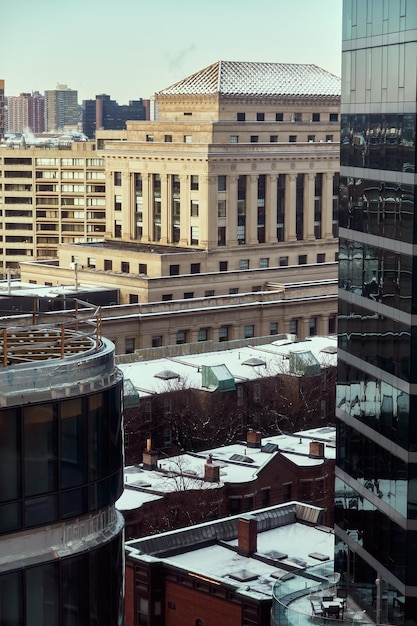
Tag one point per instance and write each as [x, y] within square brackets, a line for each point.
[63, 459]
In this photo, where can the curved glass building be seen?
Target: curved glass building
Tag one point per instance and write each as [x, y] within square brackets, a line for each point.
[61, 471]
[376, 468]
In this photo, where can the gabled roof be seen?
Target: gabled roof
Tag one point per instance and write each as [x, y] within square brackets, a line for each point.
[240, 78]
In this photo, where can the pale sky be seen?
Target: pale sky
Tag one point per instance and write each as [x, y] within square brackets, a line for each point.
[132, 48]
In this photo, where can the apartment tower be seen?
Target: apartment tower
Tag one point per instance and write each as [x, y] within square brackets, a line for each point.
[61, 108]
[26, 111]
[376, 469]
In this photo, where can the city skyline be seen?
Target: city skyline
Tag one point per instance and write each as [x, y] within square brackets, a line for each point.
[135, 60]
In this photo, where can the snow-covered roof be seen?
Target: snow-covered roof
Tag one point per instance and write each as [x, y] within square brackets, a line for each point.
[272, 358]
[240, 78]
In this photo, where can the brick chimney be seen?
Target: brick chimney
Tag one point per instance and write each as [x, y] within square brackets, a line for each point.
[316, 450]
[211, 471]
[149, 457]
[247, 535]
[253, 439]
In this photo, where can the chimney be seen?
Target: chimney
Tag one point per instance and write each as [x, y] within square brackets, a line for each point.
[253, 439]
[211, 471]
[247, 535]
[316, 450]
[149, 457]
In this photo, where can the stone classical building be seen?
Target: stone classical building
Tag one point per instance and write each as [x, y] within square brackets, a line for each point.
[231, 192]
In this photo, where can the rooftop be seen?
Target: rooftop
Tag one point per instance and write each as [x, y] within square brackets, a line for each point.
[237, 78]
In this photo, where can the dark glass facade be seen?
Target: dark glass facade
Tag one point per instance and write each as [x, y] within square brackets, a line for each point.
[376, 467]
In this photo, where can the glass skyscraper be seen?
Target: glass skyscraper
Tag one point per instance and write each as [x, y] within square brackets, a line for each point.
[376, 472]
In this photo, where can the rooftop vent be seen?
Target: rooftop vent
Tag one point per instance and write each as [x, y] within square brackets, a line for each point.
[167, 375]
[329, 350]
[254, 362]
[217, 377]
[240, 458]
[270, 447]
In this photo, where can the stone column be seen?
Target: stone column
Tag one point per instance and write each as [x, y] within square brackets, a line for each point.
[271, 209]
[231, 210]
[252, 210]
[126, 212]
[147, 208]
[208, 237]
[327, 206]
[290, 207]
[165, 209]
[110, 213]
[308, 234]
[185, 210]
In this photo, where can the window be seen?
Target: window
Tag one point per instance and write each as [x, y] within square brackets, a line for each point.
[202, 334]
[265, 493]
[221, 236]
[332, 324]
[188, 295]
[156, 341]
[233, 290]
[209, 293]
[333, 117]
[249, 331]
[260, 117]
[168, 138]
[273, 328]
[329, 137]
[311, 138]
[297, 117]
[264, 262]
[224, 333]
[312, 326]
[174, 270]
[321, 258]
[125, 267]
[302, 259]
[221, 183]
[166, 297]
[254, 138]
[117, 203]
[221, 208]
[283, 261]
[167, 437]
[244, 264]
[292, 138]
[279, 117]
[315, 117]
[188, 113]
[91, 262]
[223, 266]
[195, 235]
[194, 208]
[187, 139]
[194, 182]
[108, 265]
[256, 288]
[234, 139]
[181, 337]
[241, 117]
[195, 268]
[143, 268]
[129, 345]
[293, 326]
[273, 138]
[149, 138]
[117, 179]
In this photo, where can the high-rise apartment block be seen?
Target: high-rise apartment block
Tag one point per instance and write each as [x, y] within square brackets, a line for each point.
[26, 112]
[61, 472]
[376, 469]
[61, 108]
[106, 114]
[2, 102]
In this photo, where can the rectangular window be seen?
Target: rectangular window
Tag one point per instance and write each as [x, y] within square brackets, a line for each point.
[315, 117]
[194, 182]
[279, 117]
[273, 328]
[118, 203]
[334, 117]
[129, 345]
[264, 262]
[117, 179]
[156, 341]
[233, 290]
[244, 264]
[187, 139]
[174, 270]
[221, 208]
[108, 265]
[221, 236]
[195, 235]
[297, 117]
[292, 138]
[223, 266]
[321, 258]
[133, 298]
[224, 333]
[188, 295]
[273, 138]
[149, 138]
[293, 326]
[234, 139]
[249, 331]
[168, 138]
[302, 259]
[194, 208]
[332, 324]
[311, 138]
[125, 267]
[260, 117]
[256, 288]
[329, 138]
[312, 326]
[221, 183]
[283, 261]
[181, 337]
[241, 117]
[209, 293]
[166, 297]
[91, 262]
[195, 268]
[143, 268]
[254, 138]
[202, 334]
